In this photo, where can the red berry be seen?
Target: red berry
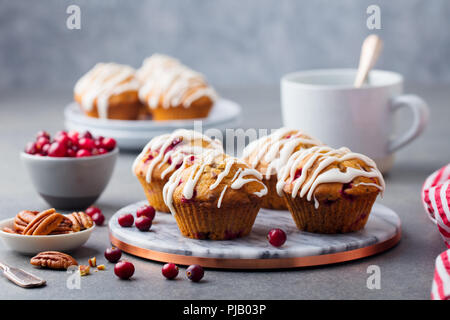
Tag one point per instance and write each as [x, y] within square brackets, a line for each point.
[126, 220]
[43, 133]
[45, 149]
[98, 218]
[57, 150]
[276, 237]
[30, 148]
[83, 153]
[113, 254]
[147, 211]
[41, 142]
[70, 153]
[143, 223]
[124, 269]
[86, 134]
[91, 210]
[59, 134]
[195, 272]
[64, 139]
[86, 143]
[109, 143]
[73, 134]
[170, 270]
[102, 151]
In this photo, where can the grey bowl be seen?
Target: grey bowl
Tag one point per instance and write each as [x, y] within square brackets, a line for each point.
[70, 183]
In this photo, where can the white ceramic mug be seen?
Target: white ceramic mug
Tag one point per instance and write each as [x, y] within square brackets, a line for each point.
[324, 104]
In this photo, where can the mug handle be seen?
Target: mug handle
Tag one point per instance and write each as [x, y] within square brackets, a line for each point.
[420, 112]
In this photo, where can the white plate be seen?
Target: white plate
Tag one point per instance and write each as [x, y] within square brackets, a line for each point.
[135, 134]
[35, 244]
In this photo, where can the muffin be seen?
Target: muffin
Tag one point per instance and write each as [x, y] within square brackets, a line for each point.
[109, 91]
[216, 197]
[268, 154]
[171, 90]
[163, 155]
[329, 190]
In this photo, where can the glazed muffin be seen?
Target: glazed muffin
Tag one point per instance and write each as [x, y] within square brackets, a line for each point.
[270, 153]
[330, 190]
[171, 90]
[216, 197]
[109, 91]
[165, 154]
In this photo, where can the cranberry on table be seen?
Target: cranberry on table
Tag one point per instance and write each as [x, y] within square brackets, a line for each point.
[170, 270]
[147, 211]
[124, 269]
[195, 272]
[113, 254]
[57, 150]
[98, 218]
[276, 237]
[91, 210]
[126, 220]
[143, 223]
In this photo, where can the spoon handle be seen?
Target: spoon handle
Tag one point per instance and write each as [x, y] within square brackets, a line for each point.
[21, 277]
[370, 51]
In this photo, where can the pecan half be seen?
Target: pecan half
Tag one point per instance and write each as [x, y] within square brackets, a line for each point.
[53, 260]
[9, 230]
[44, 223]
[22, 219]
[80, 221]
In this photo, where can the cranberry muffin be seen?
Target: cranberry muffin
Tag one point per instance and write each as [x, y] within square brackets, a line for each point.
[330, 190]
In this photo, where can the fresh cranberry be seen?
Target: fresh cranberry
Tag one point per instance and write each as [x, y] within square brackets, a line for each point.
[86, 143]
[147, 211]
[94, 152]
[57, 150]
[30, 148]
[83, 153]
[98, 218]
[124, 269]
[276, 237]
[43, 133]
[70, 153]
[170, 270]
[113, 254]
[45, 149]
[73, 134]
[195, 272]
[109, 143]
[126, 220]
[143, 223]
[59, 134]
[41, 142]
[86, 134]
[102, 151]
[91, 210]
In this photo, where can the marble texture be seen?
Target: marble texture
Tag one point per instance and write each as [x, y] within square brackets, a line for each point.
[164, 236]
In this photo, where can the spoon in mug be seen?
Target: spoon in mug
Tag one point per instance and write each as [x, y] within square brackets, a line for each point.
[370, 52]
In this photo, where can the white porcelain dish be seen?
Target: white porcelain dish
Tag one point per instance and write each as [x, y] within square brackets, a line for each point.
[225, 114]
[35, 244]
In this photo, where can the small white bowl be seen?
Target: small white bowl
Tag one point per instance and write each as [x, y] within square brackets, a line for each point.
[35, 244]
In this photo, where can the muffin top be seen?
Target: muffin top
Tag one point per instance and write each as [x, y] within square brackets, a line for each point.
[328, 174]
[102, 83]
[215, 180]
[166, 153]
[268, 154]
[168, 83]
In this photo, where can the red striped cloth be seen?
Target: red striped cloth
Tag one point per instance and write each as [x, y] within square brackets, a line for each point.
[440, 290]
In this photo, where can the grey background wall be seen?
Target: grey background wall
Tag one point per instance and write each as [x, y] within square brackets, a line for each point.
[245, 42]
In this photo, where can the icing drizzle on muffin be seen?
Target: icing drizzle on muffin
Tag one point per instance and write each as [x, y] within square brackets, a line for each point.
[102, 82]
[305, 179]
[241, 177]
[167, 82]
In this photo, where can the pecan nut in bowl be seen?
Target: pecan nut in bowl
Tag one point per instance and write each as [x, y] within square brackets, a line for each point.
[53, 260]
[44, 223]
[22, 219]
[80, 221]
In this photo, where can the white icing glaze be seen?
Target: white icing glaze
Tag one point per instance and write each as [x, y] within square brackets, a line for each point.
[102, 82]
[325, 156]
[167, 82]
[275, 149]
[240, 178]
[173, 155]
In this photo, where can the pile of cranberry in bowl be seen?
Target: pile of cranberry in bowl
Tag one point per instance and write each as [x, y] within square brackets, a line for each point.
[69, 144]
[72, 169]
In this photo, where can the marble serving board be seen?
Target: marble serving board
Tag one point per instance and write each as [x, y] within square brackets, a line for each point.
[164, 241]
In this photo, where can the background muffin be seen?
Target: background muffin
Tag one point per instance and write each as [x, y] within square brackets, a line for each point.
[330, 190]
[109, 91]
[163, 155]
[173, 91]
[268, 154]
[216, 197]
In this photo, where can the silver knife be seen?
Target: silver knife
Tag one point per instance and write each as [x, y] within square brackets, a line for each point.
[21, 277]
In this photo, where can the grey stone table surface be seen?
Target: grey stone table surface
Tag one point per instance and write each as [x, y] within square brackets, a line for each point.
[406, 270]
